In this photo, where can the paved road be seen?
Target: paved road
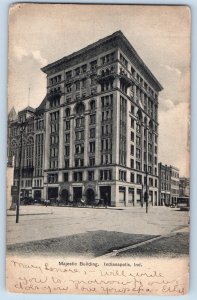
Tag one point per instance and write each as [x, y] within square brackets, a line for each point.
[93, 231]
[39, 222]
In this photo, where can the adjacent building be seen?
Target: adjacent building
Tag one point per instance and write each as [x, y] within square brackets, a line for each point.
[26, 132]
[184, 187]
[168, 184]
[95, 135]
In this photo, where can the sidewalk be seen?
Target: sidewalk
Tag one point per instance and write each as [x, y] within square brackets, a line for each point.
[31, 210]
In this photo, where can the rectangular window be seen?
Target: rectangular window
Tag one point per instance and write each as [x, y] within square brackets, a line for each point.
[69, 75]
[83, 83]
[84, 68]
[79, 162]
[123, 60]
[93, 79]
[138, 140]
[92, 119]
[67, 137]
[67, 125]
[92, 147]
[138, 165]
[90, 175]
[79, 148]
[68, 88]
[122, 175]
[65, 177]
[132, 163]
[77, 71]
[67, 150]
[92, 132]
[66, 163]
[132, 177]
[132, 123]
[77, 85]
[52, 178]
[105, 175]
[139, 179]
[79, 135]
[132, 136]
[93, 65]
[138, 153]
[77, 176]
[132, 150]
[92, 161]
[80, 122]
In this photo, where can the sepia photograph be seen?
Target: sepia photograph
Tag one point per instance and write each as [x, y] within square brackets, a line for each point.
[98, 149]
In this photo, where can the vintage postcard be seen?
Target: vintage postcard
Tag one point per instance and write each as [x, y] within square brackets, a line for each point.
[98, 144]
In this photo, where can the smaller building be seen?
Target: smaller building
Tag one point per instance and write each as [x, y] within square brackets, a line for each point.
[184, 187]
[164, 184]
[168, 184]
[174, 179]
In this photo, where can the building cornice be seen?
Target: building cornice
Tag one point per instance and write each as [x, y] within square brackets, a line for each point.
[117, 39]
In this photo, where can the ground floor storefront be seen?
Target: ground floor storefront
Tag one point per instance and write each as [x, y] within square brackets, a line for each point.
[110, 194]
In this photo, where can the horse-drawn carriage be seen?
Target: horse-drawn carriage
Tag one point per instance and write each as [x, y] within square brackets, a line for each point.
[77, 203]
[93, 203]
[99, 203]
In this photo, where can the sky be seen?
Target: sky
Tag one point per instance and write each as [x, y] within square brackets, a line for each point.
[42, 33]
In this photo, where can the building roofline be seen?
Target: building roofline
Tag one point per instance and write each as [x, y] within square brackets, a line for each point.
[28, 108]
[172, 167]
[117, 34]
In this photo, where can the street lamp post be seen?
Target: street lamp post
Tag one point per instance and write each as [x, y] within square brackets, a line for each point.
[22, 129]
[147, 192]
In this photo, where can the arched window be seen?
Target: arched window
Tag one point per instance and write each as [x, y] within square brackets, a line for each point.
[80, 109]
[102, 73]
[92, 105]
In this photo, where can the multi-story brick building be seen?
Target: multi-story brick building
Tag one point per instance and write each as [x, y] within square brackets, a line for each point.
[101, 125]
[164, 184]
[184, 186]
[174, 184]
[168, 184]
[28, 157]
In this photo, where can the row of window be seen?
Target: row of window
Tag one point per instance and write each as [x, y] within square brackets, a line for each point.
[139, 139]
[92, 66]
[124, 61]
[165, 186]
[103, 175]
[78, 176]
[139, 178]
[37, 182]
[26, 183]
[138, 166]
[37, 125]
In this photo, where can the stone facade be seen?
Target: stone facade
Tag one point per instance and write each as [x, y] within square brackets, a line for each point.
[100, 126]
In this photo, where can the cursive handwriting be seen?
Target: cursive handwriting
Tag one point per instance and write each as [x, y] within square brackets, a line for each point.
[48, 278]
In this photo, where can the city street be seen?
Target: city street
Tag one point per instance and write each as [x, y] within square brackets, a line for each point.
[98, 231]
